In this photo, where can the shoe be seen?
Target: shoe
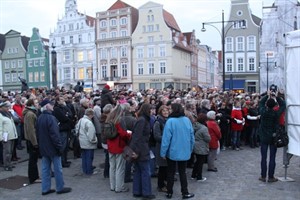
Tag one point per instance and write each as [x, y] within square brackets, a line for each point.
[202, 179]
[187, 196]
[163, 189]
[212, 170]
[64, 190]
[168, 195]
[263, 179]
[137, 195]
[8, 168]
[272, 180]
[66, 165]
[150, 196]
[37, 181]
[48, 192]
[123, 190]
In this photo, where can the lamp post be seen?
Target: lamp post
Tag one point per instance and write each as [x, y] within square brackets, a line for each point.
[222, 34]
[268, 55]
[92, 77]
[54, 67]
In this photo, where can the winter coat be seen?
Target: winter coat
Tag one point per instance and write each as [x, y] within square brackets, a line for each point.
[269, 119]
[87, 133]
[140, 138]
[49, 138]
[128, 121]
[202, 139]
[106, 98]
[158, 129]
[30, 118]
[7, 125]
[64, 115]
[116, 145]
[215, 134]
[236, 119]
[252, 118]
[178, 139]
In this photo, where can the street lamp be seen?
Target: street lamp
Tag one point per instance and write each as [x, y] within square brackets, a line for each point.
[92, 78]
[223, 38]
[268, 54]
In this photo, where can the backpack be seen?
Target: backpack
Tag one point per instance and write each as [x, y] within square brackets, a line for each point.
[109, 130]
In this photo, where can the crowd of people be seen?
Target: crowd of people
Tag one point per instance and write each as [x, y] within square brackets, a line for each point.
[168, 130]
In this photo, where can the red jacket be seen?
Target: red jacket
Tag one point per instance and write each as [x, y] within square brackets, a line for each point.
[117, 144]
[18, 108]
[236, 114]
[215, 134]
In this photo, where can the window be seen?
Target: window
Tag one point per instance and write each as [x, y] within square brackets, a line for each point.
[251, 43]
[42, 62]
[123, 33]
[240, 64]
[123, 52]
[151, 68]
[157, 27]
[71, 39]
[229, 44]
[7, 78]
[103, 71]
[162, 66]
[21, 74]
[103, 35]
[30, 77]
[6, 64]
[36, 76]
[80, 73]
[123, 21]
[20, 63]
[239, 24]
[240, 44]
[124, 69]
[13, 64]
[150, 52]
[251, 64]
[140, 53]
[42, 76]
[62, 40]
[90, 55]
[113, 52]
[140, 69]
[113, 34]
[113, 22]
[80, 56]
[67, 73]
[89, 72]
[142, 86]
[103, 23]
[150, 39]
[71, 27]
[35, 50]
[150, 28]
[103, 54]
[229, 64]
[79, 38]
[30, 63]
[36, 63]
[162, 51]
[67, 56]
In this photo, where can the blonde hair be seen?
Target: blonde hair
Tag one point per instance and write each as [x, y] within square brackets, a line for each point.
[115, 115]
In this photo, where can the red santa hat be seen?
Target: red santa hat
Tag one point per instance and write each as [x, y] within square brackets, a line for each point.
[106, 87]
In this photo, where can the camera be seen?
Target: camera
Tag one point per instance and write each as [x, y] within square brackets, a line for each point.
[273, 89]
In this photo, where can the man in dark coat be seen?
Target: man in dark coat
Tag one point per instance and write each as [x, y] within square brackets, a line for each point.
[50, 147]
[106, 97]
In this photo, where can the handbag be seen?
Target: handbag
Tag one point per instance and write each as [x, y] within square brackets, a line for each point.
[129, 155]
[280, 137]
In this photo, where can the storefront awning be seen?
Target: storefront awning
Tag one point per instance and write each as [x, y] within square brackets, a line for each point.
[234, 84]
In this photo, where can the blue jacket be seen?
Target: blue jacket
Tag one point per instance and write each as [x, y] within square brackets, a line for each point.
[48, 135]
[178, 139]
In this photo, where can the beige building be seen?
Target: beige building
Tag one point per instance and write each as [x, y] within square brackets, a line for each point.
[161, 55]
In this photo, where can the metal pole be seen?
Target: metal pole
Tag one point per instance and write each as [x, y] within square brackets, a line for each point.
[223, 49]
[267, 71]
[54, 67]
[92, 78]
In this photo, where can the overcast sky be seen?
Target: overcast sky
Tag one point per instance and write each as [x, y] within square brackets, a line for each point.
[23, 15]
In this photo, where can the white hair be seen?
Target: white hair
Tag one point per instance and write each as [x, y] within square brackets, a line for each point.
[211, 114]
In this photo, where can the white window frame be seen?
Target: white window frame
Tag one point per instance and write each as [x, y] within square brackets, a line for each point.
[140, 69]
[123, 21]
[229, 64]
[140, 53]
[42, 62]
[151, 68]
[103, 36]
[162, 51]
[103, 53]
[251, 43]
[123, 51]
[36, 77]
[6, 65]
[35, 50]
[67, 73]
[251, 64]
[123, 33]
[113, 34]
[42, 76]
[162, 67]
[104, 71]
[240, 43]
[30, 77]
[7, 77]
[103, 23]
[13, 64]
[67, 56]
[124, 69]
[30, 63]
[113, 22]
[229, 44]
[20, 63]
[240, 64]
[151, 52]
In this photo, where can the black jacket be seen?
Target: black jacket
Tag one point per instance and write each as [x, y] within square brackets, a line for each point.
[64, 116]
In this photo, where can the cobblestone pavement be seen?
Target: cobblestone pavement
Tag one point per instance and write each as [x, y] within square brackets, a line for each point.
[237, 178]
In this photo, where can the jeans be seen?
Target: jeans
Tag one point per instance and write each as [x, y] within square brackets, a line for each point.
[197, 170]
[116, 172]
[128, 167]
[142, 178]
[64, 141]
[46, 173]
[33, 171]
[7, 152]
[87, 157]
[182, 176]
[272, 163]
[106, 164]
[236, 138]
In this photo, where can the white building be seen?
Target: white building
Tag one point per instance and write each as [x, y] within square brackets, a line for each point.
[161, 55]
[74, 42]
[279, 18]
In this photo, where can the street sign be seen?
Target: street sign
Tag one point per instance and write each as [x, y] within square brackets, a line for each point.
[269, 54]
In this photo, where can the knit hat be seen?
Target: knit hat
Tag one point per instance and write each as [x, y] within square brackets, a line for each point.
[271, 103]
[107, 87]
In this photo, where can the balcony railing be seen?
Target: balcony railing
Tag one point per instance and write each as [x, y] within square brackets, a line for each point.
[113, 78]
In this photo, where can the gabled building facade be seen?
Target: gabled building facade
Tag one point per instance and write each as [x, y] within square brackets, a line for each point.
[161, 54]
[74, 42]
[242, 49]
[113, 42]
[37, 59]
[13, 60]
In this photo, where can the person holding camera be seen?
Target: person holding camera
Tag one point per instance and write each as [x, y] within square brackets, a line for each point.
[269, 123]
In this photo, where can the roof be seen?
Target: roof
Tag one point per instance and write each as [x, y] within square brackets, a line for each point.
[180, 42]
[2, 42]
[25, 41]
[170, 20]
[188, 36]
[118, 5]
[256, 19]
